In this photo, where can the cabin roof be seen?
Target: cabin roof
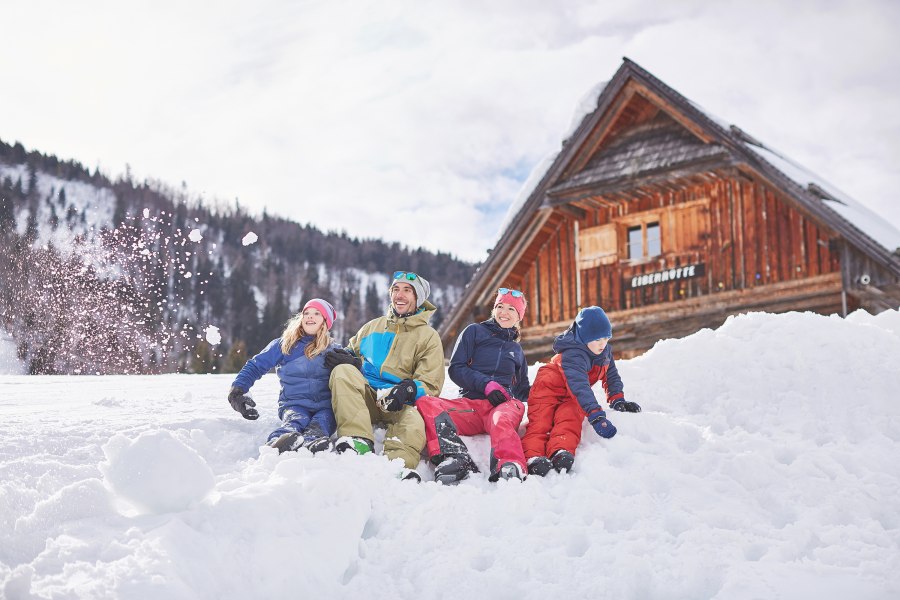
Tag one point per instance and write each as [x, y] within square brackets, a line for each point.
[657, 145]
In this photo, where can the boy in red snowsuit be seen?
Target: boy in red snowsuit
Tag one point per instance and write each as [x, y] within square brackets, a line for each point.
[561, 395]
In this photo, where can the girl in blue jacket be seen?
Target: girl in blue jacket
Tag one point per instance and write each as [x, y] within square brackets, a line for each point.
[489, 366]
[304, 404]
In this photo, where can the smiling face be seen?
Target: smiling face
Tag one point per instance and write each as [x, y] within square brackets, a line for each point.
[506, 315]
[403, 298]
[597, 346]
[312, 321]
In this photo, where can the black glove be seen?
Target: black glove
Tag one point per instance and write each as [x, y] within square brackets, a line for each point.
[243, 404]
[622, 406]
[401, 394]
[496, 398]
[339, 356]
[495, 394]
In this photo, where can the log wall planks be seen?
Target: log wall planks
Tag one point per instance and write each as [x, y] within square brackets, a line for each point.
[741, 233]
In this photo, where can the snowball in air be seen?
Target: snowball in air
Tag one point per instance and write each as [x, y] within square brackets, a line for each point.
[249, 239]
[195, 235]
[212, 335]
[146, 213]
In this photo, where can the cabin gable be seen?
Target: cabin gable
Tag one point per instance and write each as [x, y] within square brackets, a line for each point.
[671, 222]
[729, 236]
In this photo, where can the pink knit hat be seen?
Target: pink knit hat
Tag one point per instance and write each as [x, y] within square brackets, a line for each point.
[514, 298]
[323, 307]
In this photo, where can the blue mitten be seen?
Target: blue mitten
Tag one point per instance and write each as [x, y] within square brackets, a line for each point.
[597, 419]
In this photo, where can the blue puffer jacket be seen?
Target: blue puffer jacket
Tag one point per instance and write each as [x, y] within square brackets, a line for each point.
[486, 352]
[583, 368]
[304, 381]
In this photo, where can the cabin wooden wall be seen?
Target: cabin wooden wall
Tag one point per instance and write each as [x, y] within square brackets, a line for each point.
[753, 238]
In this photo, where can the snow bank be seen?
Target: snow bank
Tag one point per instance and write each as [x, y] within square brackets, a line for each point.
[764, 465]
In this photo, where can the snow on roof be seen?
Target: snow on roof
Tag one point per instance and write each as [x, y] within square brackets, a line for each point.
[859, 215]
[854, 212]
[585, 107]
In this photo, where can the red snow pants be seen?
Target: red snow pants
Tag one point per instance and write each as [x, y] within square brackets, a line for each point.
[554, 415]
[474, 416]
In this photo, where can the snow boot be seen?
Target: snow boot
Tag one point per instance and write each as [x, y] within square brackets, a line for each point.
[448, 437]
[508, 471]
[562, 461]
[315, 439]
[316, 444]
[356, 445]
[287, 442]
[453, 469]
[410, 475]
[539, 465]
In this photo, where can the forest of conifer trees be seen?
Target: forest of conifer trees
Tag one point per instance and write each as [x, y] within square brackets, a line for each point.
[118, 276]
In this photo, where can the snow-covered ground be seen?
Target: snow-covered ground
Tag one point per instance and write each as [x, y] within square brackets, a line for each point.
[765, 465]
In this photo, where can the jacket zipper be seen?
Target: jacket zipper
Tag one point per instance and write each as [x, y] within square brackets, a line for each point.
[390, 351]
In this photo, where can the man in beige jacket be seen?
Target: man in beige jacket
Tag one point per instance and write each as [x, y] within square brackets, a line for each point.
[391, 362]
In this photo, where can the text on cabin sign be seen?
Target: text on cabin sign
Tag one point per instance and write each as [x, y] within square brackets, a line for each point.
[666, 275]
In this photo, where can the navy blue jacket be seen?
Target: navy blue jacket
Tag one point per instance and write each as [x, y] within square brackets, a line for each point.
[304, 381]
[583, 368]
[486, 352]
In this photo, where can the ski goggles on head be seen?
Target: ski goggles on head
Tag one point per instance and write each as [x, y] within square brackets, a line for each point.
[513, 293]
[405, 275]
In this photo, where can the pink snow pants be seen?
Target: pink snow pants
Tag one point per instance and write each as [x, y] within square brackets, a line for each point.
[474, 416]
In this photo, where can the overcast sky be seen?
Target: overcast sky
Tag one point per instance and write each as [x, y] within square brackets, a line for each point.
[419, 121]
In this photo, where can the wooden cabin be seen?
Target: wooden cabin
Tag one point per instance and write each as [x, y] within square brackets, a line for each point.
[672, 221]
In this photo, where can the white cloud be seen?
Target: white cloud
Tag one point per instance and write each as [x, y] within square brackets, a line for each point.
[405, 120]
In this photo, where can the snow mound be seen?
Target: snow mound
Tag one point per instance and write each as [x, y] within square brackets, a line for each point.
[155, 472]
[763, 466]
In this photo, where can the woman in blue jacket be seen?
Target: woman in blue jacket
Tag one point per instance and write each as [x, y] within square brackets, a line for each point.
[304, 404]
[489, 366]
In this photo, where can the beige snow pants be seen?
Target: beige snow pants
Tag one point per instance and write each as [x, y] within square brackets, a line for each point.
[355, 411]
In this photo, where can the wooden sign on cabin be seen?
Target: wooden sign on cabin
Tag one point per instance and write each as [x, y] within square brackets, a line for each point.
[672, 221]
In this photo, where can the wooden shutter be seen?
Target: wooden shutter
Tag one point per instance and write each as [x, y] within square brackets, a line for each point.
[686, 227]
[597, 246]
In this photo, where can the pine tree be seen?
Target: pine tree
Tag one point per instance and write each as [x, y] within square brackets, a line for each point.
[236, 357]
[202, 359]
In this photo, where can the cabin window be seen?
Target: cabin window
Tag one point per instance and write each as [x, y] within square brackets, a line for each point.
[654, 245]
[644, 241]
[635, 242]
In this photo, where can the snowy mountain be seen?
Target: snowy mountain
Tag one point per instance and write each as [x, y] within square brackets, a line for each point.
[123, 277]
[764, 465]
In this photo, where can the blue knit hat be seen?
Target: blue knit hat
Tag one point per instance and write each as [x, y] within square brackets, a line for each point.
[591, 324]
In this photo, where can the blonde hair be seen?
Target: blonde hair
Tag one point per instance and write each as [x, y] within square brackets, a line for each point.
[293, 331]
